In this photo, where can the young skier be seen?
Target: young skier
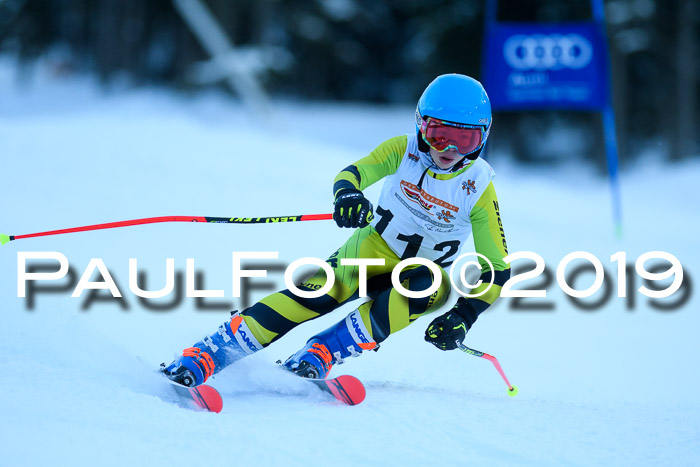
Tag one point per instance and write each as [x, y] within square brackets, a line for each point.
[438, 192]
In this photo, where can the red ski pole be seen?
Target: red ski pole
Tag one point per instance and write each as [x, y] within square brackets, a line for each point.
[512, 390]
[152, 220]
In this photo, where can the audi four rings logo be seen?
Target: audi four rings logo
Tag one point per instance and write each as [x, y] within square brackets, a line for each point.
[547, 52]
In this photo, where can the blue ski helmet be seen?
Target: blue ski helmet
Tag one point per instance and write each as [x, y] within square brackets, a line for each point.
[458, 99]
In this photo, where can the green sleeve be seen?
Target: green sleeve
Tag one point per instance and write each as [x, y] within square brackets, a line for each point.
[487, 229]
[490, 241]
[383, 161]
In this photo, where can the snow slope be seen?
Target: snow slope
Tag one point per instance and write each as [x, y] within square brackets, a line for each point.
[613, 386]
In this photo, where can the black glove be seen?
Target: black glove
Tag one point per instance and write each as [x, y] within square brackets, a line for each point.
[352, 209]
[447, 332]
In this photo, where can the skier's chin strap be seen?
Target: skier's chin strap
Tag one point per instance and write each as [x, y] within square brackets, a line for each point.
[460, 164]
[467, 159]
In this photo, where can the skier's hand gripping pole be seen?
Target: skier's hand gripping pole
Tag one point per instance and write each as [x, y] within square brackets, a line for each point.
[352, 209]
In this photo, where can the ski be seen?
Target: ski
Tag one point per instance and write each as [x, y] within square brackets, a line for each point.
[347, 389]
[202, 397]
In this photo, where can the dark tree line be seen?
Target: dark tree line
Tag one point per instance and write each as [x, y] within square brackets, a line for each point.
[381, 51]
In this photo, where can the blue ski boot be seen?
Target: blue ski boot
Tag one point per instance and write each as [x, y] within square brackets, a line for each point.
[230, 343]
[348, 338]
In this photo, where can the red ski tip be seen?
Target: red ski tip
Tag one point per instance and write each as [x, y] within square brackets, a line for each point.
[347, 389]
[207, 398]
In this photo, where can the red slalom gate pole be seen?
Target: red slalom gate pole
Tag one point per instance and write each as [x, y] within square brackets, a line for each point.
[512, 390]
[153, 220]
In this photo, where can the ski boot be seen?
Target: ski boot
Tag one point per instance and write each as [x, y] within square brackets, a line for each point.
[230, 343]
[348, 338]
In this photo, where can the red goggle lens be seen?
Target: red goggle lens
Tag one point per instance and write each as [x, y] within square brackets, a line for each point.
[441, 135]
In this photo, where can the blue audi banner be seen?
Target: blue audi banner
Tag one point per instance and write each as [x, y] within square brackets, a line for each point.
[538, 66]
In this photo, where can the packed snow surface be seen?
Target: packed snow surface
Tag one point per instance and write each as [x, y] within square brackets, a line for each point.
[615, 384]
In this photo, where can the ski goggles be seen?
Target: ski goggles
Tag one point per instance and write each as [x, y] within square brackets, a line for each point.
[442, 135]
